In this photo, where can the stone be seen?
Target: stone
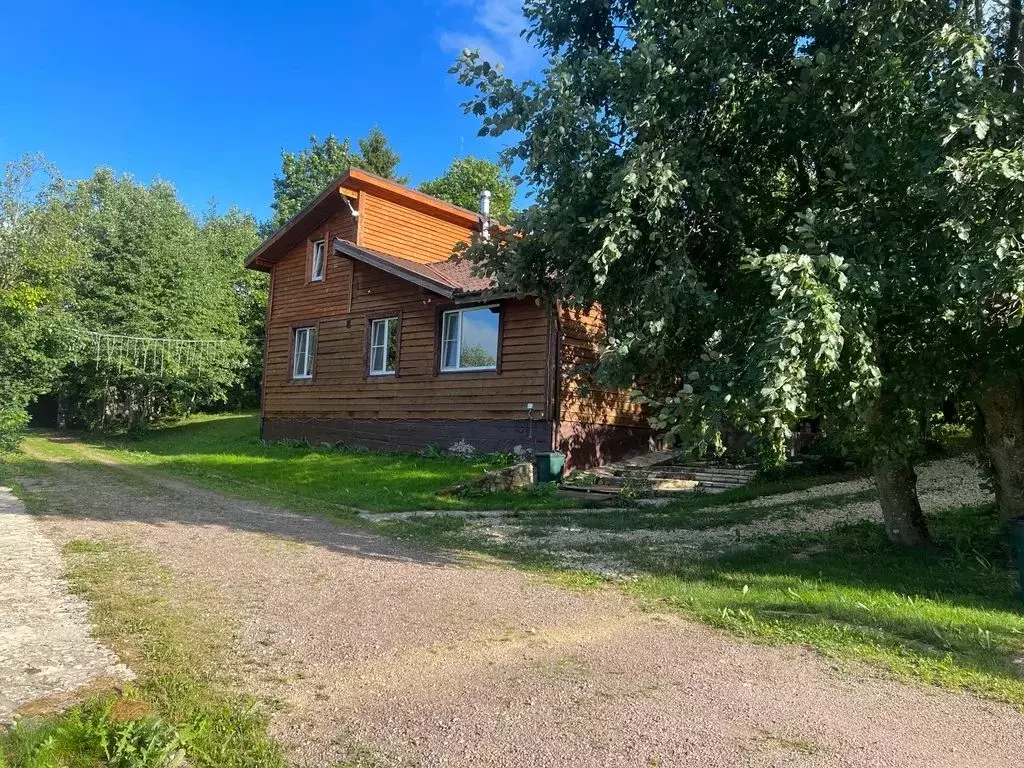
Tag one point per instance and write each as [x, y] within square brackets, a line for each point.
[513, 478]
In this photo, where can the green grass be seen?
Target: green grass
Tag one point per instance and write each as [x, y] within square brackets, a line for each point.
[180, 711]
[949, 616]
[225, 453]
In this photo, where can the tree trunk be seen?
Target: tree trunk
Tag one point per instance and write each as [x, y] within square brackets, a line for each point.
[897, 493]
[895, 436]
[949, 411]
[1002, 407]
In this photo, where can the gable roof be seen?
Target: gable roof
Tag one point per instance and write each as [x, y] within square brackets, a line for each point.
[348, 185]
[452, 279]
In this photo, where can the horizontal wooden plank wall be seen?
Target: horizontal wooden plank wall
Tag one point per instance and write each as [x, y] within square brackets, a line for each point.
[294, 296]
[581, 336]
[342, 390]
[401, 231]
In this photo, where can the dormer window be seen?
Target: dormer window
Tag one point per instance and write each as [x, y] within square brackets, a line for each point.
[318, 262]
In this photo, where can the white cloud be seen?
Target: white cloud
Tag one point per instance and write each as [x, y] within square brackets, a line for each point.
[493, 26]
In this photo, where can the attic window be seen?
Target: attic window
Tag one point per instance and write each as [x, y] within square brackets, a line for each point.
[318, 262]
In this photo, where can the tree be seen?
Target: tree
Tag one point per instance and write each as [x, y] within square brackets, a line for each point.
[306, 174]
[764, 200]
[37, 257]
[149, 275]
[466, 177]
[226, 240]
[377, 156]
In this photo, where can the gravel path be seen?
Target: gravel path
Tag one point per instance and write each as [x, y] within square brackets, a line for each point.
[941, 484]
[45, 647]
[384, 655]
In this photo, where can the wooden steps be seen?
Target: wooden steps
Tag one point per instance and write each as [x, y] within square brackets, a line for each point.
[667, 478]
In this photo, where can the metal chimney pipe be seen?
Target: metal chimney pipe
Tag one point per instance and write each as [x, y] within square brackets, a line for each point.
[485, 214]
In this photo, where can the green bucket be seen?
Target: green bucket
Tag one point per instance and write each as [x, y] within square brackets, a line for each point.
[1017, 531]
[549, 466]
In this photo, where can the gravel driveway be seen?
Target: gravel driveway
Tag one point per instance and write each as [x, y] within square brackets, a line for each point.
[385, 655]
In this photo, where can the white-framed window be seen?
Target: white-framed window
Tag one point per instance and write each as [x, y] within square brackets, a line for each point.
[303, 351]
[316, 270]
[469, 339]
[383, 346]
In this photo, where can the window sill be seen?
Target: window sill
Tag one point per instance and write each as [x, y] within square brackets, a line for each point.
[446, 371]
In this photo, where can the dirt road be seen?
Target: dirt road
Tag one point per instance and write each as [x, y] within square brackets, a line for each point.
[384, 655]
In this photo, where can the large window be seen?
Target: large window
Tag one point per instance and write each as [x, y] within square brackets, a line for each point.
[303, 346]
[319, 261]
[383, 346]
[469, 340]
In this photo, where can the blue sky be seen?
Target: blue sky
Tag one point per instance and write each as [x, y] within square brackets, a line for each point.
[207, 94]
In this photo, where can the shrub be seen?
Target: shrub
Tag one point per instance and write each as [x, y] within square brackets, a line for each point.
[113, 732]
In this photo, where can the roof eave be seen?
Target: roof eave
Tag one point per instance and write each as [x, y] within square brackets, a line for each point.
[346, 248]
[255, 261]
[490, 294]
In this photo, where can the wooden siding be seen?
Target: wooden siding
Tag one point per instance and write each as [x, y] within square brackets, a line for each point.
[581, 334]
[387, 226]
[293, 297]
[341, 388]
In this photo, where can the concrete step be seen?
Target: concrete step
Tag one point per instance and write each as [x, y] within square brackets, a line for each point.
[711, 477]
[713, 469]
[658, 488]
[683, 468]
[684, 477]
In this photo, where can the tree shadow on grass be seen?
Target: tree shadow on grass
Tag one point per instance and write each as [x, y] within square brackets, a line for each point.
[971, 563]
[227, 450]
[951, 613]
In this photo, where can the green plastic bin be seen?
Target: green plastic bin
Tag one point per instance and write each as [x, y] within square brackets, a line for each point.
[1017, 531]
[549, 466]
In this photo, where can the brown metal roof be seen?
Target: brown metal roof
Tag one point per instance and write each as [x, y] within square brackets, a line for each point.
[451, 279]
[460, 272]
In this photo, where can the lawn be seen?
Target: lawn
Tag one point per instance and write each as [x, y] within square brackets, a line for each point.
[764, 568]
[224, 452]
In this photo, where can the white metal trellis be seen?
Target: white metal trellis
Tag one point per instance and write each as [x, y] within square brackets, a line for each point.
[152, 354]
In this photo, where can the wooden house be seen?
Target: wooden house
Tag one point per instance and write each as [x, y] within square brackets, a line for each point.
[377, 337]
